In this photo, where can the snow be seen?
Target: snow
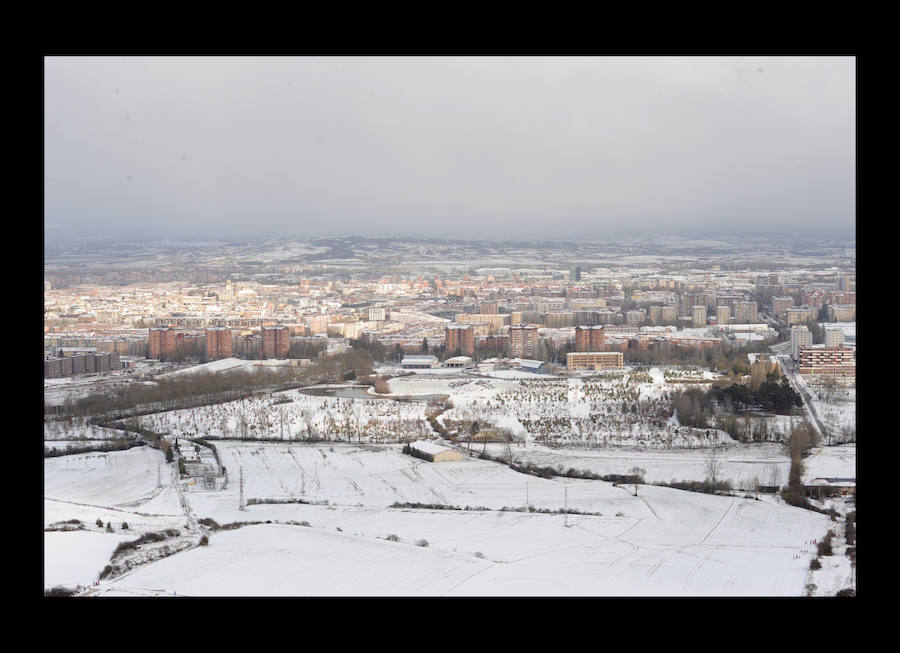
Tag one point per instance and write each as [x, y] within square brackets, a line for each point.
[116, 479]
[667, 543]
[77, 557]
[662, 542]
[830, 462]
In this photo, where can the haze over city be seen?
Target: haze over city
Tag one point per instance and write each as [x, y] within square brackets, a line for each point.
[540, 148]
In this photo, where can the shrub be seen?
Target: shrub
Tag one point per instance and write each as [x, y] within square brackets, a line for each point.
[59, 590]
[392, 538]
[421, 542]
[204, 540]
[124, 525]
[846, 592]
[824, 548]
[99, 523]
[211, 523]
[814, 564]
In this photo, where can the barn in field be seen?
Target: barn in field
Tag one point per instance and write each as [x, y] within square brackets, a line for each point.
[433, 452]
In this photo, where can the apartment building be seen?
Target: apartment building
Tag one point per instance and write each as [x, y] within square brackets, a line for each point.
[834, 337]
[161, 343]
[559, 319]
[842, 313]
[723, 315]
[590, 338]
[601, 360]
[800, 337]
[745, 312]
[635, 317]
[489, 308]
[495, 321]
[801, 314]
[828, 361]
[276, 342]
[523, 340]
[781, 304]
[218, 343]
[699, 316]
[461, 337]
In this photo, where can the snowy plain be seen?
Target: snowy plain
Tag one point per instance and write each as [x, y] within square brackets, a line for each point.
[584, 537]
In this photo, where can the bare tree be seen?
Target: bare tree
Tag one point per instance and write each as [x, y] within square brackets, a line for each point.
[638, 473]
[713, 467]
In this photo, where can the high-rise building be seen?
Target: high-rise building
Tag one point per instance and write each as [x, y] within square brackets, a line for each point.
[461, 337]
[575, 273]
[781, 304]
[723, 315]
[590, 338]
[523, 339]
[634, 317]
[489, 308]
[834, 337]
[376, 314]
[744, 312]
[161, 343]
[218, 342]
[800, 314]
[842, 313]
[560, 319]
[843, 283]
[699, 315]
[669, 315]
[276, 342]
[800, 337]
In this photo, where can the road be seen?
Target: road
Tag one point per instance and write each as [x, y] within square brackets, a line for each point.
[789, 369]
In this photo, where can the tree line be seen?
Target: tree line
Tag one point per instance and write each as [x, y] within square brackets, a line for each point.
[192, 390]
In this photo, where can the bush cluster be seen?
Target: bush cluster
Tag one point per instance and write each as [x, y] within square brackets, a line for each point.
[706, 486]
[850, 529]
[824, 548]
[143, 539]
[59, 590]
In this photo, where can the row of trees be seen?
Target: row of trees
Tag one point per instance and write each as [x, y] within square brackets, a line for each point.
[185, 391]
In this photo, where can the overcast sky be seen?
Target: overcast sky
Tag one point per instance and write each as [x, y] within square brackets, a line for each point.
[511, 148]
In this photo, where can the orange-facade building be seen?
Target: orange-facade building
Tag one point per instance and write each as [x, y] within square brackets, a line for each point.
[276, 342]
[458, 336]
[218, 342]
[161, 343]
[590, 338]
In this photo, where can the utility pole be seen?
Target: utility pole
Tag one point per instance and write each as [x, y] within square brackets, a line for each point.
[241, 505]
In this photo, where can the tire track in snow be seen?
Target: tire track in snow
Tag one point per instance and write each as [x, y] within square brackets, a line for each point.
[721, 519]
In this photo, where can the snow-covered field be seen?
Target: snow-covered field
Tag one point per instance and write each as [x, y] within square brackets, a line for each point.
[666, 542]
[830, 462]
[740, 464]
[661, 542]
[76, 557]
